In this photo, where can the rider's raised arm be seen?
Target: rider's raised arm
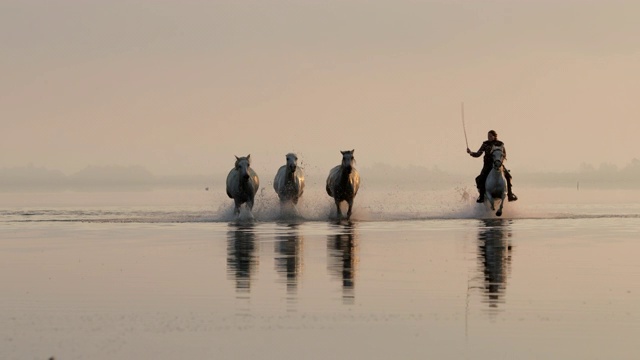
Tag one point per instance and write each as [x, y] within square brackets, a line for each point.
[480, 151]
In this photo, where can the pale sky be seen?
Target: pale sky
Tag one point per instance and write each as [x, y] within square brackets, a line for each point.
[183, 86]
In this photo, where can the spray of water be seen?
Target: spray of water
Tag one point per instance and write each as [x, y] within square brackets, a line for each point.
[371, 204]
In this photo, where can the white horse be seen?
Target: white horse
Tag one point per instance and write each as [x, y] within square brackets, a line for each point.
[343, 182]
[289, 180]
[496, 185]
[242, 183]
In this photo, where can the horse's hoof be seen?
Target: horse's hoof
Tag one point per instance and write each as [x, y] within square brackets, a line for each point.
[499, 213]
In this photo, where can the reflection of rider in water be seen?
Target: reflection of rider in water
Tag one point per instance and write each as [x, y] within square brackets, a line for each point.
[494, 252]
[488, 165]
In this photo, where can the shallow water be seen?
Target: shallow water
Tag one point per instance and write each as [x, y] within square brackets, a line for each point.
[89, 277]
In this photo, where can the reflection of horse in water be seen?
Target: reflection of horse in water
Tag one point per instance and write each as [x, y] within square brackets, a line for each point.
[241, 258]
[242, 184]
[343, 259]
[496, 185]
[288, 248]
[343, 182]
[494, 253]
[289, 180]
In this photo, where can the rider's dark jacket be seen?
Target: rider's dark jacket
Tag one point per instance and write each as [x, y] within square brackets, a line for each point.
[486, 149]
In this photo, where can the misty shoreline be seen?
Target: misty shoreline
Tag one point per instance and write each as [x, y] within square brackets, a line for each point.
[138, 178]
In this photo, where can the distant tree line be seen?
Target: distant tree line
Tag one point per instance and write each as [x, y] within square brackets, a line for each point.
[606, 175]
[92, 177]
[31, 177]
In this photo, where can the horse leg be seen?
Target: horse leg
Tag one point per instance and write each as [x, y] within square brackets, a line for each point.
[236, 209]
[499, 212]
[350, 202]
[250, 201]
[338, 208]
[490, 199]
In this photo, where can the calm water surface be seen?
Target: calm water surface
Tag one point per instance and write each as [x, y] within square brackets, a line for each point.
[554, 281]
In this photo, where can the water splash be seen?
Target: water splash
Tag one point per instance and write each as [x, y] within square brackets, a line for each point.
[392, 203]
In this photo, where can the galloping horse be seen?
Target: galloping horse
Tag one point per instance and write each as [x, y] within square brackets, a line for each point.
[242, 183]
[496, 185]
[289, 180]
[343, 182]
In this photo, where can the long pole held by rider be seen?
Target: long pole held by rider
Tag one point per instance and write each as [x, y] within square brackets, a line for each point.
[464, 128]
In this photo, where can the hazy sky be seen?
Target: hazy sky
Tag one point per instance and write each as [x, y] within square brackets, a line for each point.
[183, 86]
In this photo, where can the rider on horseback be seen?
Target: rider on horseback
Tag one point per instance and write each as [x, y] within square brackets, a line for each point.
[488, 164]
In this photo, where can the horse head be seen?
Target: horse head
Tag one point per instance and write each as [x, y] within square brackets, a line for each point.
[242, 166]
[348, 160]
[497, 153]
[292, 162]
